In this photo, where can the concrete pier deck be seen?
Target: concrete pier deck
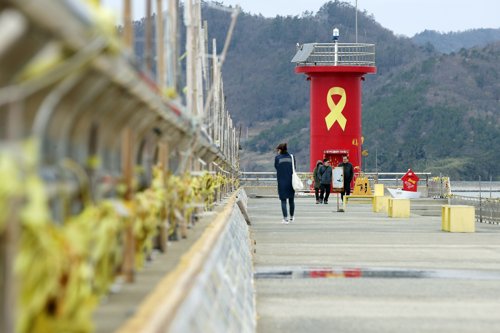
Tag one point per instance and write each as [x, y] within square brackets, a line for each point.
[361, 271]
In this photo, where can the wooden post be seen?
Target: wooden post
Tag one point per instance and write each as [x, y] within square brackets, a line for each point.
[192, 47]
[8, 287]
[204, 55]
[225, 134]
[190, 55]
[172, 44]
[233, 148]
[200, 55]
[128, 31]
[163, 159]
[164, 155]
[223, 119]
[215, 88]
[128, 267]
[15, 121]
[160, 50]
[148, 51]
[195, 57]
[9, 236]
[127, 161]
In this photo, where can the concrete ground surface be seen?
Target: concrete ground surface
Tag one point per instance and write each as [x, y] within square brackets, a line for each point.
[425, 280]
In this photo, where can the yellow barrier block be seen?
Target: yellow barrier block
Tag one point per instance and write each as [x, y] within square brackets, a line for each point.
[399, 207]
[358, 198]
[380, 204]
[379, 190]
[458, 218]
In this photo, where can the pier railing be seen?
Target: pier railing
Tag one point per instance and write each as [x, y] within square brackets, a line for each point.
[96, 157]
[390, 179]
[487, 210]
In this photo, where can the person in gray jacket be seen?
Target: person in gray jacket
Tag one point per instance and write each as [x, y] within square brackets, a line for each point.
[325, 172]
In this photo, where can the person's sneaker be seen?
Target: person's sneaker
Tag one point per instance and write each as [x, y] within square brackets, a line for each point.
[284, 221]
[325, 202]
[317, 202]
[292, 218]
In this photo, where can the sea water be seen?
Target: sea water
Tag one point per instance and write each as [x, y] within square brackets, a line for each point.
[485, 189]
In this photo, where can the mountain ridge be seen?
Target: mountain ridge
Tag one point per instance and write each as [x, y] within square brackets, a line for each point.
[456, 40]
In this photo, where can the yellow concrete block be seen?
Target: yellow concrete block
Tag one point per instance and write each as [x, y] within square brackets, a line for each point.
[445, 217]
[379, 190]
[359, 198]
[380, 204]
[363, 199]
[458, 218]
[399, 207]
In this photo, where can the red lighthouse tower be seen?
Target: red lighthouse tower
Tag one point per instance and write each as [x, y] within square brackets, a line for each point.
[335, 71]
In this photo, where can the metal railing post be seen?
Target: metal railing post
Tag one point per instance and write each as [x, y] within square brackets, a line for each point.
[336, 54]
[480, 202]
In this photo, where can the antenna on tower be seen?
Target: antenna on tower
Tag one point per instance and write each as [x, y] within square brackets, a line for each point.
[356, 21]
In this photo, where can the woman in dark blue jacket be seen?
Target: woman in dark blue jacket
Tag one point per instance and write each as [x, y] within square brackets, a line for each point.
[283, 165]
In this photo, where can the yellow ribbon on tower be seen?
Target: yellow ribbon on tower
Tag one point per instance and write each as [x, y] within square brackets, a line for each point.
[335, 114]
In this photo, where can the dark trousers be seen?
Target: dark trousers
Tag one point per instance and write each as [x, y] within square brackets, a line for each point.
[347, 191]
[325, 192]
[316, 193]
[292, 207]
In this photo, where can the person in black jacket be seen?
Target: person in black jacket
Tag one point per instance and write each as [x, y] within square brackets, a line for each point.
[283, 165]
[317, 180]
[326, 174]
[348, 174]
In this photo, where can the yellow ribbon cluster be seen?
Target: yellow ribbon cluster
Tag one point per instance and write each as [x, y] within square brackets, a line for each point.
[170, 203]
[65, 268]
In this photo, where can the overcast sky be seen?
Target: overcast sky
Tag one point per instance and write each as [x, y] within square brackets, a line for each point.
[403, 17]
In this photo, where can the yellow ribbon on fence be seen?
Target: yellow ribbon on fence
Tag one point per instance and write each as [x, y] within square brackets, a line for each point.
[335, 114]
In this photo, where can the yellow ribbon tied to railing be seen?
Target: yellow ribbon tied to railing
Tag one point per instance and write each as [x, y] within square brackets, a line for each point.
[335, 114]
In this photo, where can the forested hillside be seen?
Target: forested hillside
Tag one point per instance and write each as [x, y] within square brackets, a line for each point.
[454, 41]
[440, 115]
[423, 109]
